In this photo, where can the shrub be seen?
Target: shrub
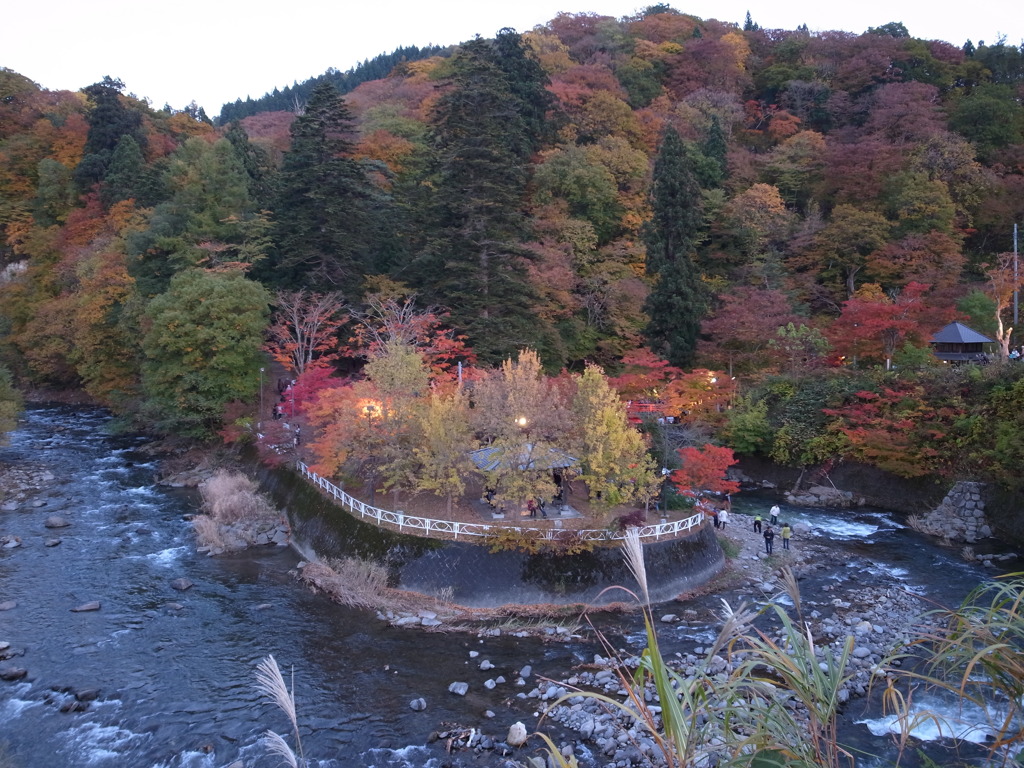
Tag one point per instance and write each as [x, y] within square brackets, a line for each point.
[231, 496]
[635, 519]
[349, 581]
[208, 532]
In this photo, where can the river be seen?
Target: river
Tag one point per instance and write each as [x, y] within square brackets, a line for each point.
[175, 670]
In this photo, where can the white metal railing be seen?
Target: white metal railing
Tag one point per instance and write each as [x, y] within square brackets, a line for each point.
[429, 526]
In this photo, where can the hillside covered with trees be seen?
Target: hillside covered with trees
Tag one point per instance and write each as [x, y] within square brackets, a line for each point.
[666, 197]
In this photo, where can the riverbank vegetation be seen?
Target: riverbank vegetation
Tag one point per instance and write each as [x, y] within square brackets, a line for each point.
[236, 515]
[752, 233]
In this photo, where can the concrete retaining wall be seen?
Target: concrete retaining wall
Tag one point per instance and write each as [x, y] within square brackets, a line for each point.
[470, 575]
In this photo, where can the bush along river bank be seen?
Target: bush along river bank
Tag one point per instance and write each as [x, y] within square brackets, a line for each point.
[160, 670]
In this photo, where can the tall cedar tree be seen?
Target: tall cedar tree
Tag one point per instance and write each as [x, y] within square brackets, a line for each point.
[109, 120]
[475, 264]
[322, 212]
[678, 300]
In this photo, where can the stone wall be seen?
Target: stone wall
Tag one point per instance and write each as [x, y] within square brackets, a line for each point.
[864, 484]
[960, 516]
[471, 575]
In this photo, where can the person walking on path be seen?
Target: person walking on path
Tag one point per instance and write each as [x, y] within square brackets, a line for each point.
[757, 523]
[769, 539]
[774, 512]
[723, 517]
[786, 533]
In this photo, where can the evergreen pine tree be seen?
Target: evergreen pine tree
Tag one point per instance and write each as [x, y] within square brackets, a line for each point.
[527, 82]
[126, 172]
[109, 120]
[323, 201]
[257, 164]
[475, 262]
[715, 148]
[678, 300]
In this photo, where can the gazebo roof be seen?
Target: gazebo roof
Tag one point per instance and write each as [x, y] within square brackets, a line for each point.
[958, 333]
[526, 457]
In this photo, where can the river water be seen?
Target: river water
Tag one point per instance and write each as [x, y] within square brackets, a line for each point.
[175, 670]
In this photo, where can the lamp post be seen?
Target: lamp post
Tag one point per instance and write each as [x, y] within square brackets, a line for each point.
[259, 419]
[370, 410]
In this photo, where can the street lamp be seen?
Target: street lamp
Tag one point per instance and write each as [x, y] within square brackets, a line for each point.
[259, 419]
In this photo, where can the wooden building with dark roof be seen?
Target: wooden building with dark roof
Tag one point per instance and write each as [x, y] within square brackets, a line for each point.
[956, 344]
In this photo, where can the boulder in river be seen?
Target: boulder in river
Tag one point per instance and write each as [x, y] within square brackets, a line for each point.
[7, 605]
[55, 521]
[181, 584]
[459, 689]
[93, 605]
[10, 674]
[418, 705]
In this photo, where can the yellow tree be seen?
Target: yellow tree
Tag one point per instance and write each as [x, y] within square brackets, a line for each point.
[445, 438]
[524, 416]
[614, 460]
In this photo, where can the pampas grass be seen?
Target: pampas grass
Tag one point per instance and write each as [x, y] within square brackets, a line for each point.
[270, 682]
[349, 581]
[633, 554]
[208, 532]
[231, 496]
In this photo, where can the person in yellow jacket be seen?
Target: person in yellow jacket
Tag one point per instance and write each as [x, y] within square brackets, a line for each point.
[786, 533]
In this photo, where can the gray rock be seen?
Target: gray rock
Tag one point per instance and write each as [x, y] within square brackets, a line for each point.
[52, 542]
[7, 605]
[181, 584]
[668, 618]
[407, 621]
[459, 689]
[485, 665]
[55, 521]
[418, 705]
[525, 672]
[517, 735]
[10, 674]
[94, 605]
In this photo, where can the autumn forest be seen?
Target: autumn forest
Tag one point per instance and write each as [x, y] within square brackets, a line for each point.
[757, 229]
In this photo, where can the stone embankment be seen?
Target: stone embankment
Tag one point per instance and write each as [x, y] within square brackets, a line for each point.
[960, 517]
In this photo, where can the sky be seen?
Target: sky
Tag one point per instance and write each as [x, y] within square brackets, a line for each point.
[216, 51]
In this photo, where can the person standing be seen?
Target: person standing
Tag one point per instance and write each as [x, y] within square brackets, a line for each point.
[757, 523]
[786, 533]
[723, 517]
[769, 539]
[774, 513]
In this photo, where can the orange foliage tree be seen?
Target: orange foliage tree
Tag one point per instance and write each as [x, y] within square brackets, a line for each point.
[703, 471]
[305, 327]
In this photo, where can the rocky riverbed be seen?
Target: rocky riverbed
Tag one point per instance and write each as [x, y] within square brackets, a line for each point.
[876, 612]
[873, 618]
